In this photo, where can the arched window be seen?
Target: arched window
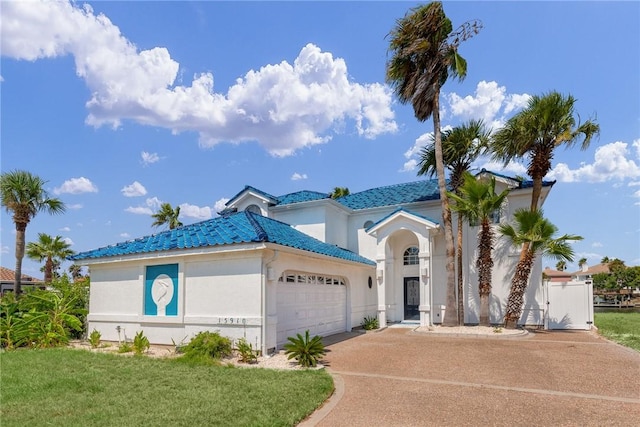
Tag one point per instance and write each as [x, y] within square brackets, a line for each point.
[367, 224]
[254, 209]
[410, 256]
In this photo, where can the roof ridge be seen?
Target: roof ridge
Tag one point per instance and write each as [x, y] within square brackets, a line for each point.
[260, 232]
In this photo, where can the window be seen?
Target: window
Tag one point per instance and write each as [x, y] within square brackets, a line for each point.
[411, 256]
[311, 279]
[254, 209]
[367, 224]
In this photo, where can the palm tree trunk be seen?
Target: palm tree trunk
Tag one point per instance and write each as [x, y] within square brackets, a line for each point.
[450, 316]
[48, 270]
[484, 264]
[20, 233]
[460, 275]
[518, 287]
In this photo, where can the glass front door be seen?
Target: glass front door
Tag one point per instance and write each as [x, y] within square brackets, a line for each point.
[411, 298]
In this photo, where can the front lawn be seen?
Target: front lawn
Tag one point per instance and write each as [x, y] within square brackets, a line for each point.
[67, 387]
[623, 328]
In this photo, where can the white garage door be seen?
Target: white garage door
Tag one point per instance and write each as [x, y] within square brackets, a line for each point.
[313, 302]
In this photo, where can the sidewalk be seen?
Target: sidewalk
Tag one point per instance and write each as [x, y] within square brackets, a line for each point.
[402, 378]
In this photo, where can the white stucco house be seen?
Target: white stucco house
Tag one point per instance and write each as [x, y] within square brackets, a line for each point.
[272, 266]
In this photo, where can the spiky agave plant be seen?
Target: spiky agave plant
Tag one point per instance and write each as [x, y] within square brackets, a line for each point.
[307, 351]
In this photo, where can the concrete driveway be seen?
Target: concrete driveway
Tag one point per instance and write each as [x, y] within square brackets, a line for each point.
[397, 377]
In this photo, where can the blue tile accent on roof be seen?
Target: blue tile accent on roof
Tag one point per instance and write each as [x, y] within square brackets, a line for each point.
[401, 209]
[241, 227]
[397, 194]
[255, 190]
[522, 183]
[301, 196]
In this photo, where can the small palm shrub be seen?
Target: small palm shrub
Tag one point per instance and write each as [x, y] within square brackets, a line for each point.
[246, 351]
[208, 345]
[307, 351]
[94, 338]
[370, 323]
[140, 343]
[125, 347]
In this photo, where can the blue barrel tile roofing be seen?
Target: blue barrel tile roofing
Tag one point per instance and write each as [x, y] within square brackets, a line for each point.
[241, 227]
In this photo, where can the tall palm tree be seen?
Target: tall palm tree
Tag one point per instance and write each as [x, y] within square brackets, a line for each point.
[23, 195]
[546, 123]
[49, 249]
[461, 146]
[582, 263]
[477, 202]
[605, 260]
[532, 229]
[424, 51]
[76, 271]
[167, 215]
[561, 265]
[339, 192]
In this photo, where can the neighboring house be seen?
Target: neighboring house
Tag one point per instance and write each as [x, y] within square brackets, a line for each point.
[586, 273]
[7, 281]
[272, 266]
[556, 276]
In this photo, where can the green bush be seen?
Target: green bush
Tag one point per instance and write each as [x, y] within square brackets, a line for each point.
[369, 323]
[94, 338]
[125, 347]
[246, 351]
[44, 318]
[208, 344]
[307, 351]
[140, 343]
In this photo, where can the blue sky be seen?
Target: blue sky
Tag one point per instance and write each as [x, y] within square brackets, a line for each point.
[123, 105]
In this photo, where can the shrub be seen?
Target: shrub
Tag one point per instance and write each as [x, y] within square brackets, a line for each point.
[210, 344]
[94, 338]
[125, 347]
[246, 351]
[140, 343]
[369, 323]
[307, 351]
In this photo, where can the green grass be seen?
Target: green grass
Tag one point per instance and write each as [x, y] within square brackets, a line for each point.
[64, 387]
[623, 328]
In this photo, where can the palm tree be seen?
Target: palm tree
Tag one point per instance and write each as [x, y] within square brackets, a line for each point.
[23, 195]
[76, 271]
[167, 215]
[546, 123]
[561, 265]
[424, 51]
[582, 263]
[605, 260]
[461, 146]
[532, 229]
[477, 203]
[49, 249]
[339, 192]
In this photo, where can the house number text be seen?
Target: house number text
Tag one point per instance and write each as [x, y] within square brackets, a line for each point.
[232, 320]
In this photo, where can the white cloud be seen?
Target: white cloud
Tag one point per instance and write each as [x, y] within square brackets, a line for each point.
[636, 145]
[149, 158]
[125, 235]
[151, 205]
[4, 249]
[297, 176]
[284, 107]
[596, 245]
[220, 204]
[76, 186]
[413, 154]
[75, 206]
[486, 103]
[65, 229]
[134, 190]
[68, 241]
[611, 162]
[197, 212]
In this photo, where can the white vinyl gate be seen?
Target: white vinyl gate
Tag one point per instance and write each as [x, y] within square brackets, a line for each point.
[569, 305]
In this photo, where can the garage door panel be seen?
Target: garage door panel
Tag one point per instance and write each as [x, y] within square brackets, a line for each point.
[319, 308]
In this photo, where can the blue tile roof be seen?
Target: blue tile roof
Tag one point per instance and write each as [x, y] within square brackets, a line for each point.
[398, 194]
[301, 196]
[242, 227]
[401, 209]
[522, 183]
